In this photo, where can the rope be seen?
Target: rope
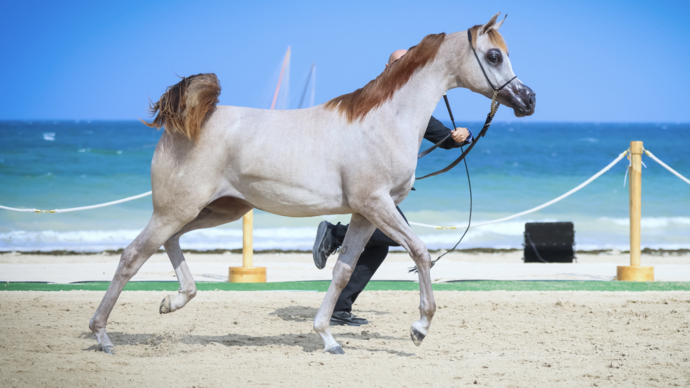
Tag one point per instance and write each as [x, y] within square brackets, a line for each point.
[14, 209]
[76, 209]
[585, 183]
[674, 172]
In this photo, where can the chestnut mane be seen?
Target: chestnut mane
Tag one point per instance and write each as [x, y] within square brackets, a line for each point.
[357, 104]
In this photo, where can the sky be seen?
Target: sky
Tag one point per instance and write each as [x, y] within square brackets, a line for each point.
[587, 61]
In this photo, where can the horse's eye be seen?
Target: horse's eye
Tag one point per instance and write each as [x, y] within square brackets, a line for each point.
[494, 56]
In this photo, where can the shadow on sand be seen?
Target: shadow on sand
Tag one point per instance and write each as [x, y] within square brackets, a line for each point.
[308, 342]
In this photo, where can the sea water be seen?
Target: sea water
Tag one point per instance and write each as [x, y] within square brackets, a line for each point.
[517, 166]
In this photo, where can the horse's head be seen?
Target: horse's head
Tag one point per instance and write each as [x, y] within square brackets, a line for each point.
[492, 53]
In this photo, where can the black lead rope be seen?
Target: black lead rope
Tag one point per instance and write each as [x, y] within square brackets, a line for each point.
[494, 107]
[469, 184]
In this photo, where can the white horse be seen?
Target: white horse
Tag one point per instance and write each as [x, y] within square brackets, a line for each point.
[355, 154]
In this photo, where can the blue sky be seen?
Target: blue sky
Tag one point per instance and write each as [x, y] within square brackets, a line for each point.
[597, 61]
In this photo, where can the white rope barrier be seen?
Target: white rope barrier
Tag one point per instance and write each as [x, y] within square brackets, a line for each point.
[76, 209]
[14, 209]
[674, 172]
[585, 183]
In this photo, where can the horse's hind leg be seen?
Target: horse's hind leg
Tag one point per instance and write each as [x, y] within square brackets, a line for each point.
[358, 233]
[187, 289]
[205, 219]
[157, 232]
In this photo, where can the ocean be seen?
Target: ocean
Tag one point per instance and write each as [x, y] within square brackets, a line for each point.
[517, 166]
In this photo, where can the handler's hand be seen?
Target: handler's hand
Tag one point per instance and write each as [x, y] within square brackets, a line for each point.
[460, 134]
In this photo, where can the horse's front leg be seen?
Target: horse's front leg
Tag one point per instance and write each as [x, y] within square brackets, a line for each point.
[387, 218]
[358, 234]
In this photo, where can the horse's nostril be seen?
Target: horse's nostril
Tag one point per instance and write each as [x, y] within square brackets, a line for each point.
[533, 99]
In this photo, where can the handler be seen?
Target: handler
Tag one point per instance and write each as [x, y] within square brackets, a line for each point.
[330, 237]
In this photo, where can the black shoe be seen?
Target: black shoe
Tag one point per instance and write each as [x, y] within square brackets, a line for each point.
[324, 245]
[341, 318]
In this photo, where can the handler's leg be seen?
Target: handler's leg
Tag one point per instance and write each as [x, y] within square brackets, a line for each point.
[358, 234]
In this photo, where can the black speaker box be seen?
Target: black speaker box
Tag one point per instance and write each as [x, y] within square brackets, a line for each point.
[549, 242]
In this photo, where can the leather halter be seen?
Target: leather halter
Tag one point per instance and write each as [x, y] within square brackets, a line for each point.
[489, 117]
[487, 123]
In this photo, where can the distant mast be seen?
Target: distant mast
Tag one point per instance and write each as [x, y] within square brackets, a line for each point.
[247, 273]
[313, 85]
[286, 64]
[311, 79]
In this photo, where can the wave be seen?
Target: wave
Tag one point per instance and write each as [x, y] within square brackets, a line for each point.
[650, 222]
[301, 238]
[592, 234]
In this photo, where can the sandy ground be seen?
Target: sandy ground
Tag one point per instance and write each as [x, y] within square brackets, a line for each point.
[300, 266]
[502, 339]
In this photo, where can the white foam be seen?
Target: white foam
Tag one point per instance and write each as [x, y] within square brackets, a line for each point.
[650, 222]
[601, 233]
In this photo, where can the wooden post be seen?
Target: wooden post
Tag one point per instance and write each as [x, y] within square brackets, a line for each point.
[247, 273]
[248, 239]
[635, 272]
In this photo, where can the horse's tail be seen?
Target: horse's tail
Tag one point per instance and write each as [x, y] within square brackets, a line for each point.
[185, 106]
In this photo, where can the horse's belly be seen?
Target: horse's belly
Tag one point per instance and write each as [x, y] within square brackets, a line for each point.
[292, 201]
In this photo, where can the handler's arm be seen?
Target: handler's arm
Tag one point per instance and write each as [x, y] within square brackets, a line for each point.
[436, 131]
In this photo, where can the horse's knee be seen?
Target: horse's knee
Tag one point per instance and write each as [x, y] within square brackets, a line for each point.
[129, 265]
[341, 274]
[420, 254]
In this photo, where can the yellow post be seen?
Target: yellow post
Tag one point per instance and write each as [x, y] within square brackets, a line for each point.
[635, 272]
[247, 273]
[248, 239]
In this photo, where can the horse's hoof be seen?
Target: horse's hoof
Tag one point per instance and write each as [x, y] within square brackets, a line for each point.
[165, 306]
[336, 350]
[416, 336]
[107, 349]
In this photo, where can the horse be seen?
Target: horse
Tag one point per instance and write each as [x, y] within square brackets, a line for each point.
[356, 154]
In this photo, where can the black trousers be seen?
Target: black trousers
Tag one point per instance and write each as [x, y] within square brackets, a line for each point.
[369, 261]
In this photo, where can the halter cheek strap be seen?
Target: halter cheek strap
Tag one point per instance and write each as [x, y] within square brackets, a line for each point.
[487, 123]
[469, 38]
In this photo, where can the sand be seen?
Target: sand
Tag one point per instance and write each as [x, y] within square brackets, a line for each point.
[221, 339]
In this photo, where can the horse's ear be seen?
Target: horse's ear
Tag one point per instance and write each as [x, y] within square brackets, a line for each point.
[490, 24]
[499, 24]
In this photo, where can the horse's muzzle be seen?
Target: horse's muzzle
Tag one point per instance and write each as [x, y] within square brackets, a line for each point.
[520, 97]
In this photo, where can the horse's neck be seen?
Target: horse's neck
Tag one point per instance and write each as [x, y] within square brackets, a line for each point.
[412, 106]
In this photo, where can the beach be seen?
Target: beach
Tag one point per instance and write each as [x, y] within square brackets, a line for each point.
[286, 267]
[501, 339]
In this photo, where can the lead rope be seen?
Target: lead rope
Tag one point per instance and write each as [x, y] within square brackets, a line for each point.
[494, 108]
[469, 184]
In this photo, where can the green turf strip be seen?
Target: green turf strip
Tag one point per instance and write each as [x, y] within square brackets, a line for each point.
[321, 286]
